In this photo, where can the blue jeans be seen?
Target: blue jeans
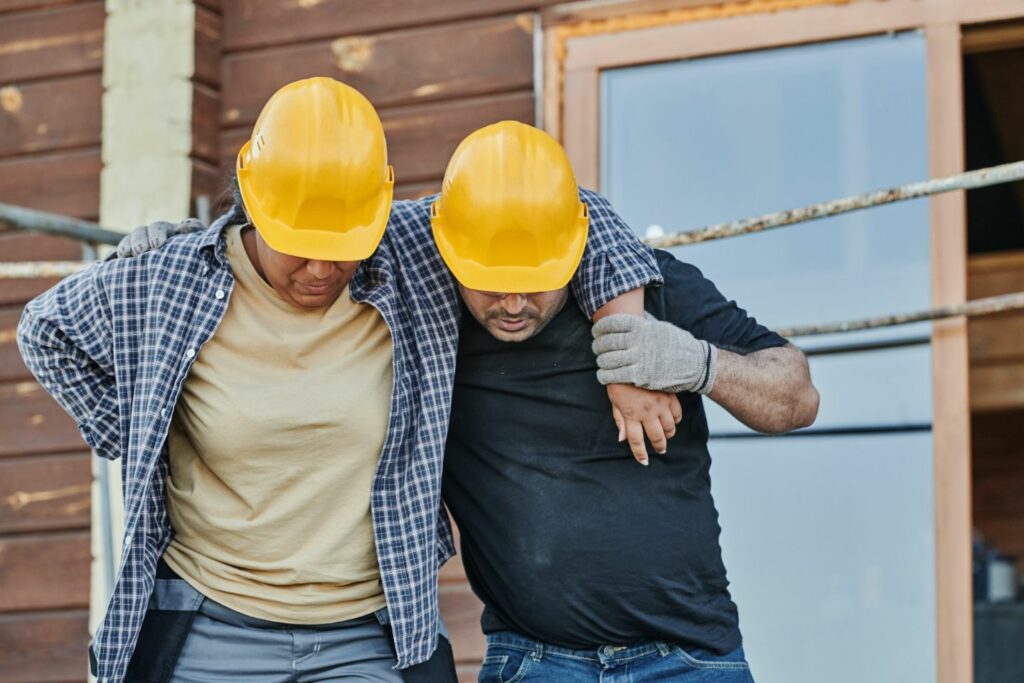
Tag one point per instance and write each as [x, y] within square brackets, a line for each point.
[512, 658]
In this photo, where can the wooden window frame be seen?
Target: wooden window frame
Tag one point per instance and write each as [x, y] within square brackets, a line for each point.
[582, 40]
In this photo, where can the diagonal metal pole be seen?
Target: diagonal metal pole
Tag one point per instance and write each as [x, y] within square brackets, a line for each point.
[973, 308]
[994, 175]
[20, 218]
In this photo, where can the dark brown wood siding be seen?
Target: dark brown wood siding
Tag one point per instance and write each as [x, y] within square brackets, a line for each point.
[51, 56]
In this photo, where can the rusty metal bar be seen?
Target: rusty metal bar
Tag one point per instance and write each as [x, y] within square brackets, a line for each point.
[994, 175]
[21, 218]
[976, 307]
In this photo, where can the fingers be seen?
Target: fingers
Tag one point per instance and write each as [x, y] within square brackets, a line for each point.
[668, 424]
[676, 408]
[620, 423]
[620, 322]
[635, 437]
[624, 375]
[617, 359]
[186, 226]
[617, 341]
[656, 434]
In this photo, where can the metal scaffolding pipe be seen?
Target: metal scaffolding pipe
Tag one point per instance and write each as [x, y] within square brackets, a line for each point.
[975, 307]
[994, 175]
[20, 218]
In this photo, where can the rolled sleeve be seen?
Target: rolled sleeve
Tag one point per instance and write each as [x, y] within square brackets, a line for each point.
[615, 260]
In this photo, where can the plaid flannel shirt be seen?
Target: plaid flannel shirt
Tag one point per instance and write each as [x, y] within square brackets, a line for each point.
[114, 344]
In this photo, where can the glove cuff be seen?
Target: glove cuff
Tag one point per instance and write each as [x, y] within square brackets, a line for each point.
[707, 383]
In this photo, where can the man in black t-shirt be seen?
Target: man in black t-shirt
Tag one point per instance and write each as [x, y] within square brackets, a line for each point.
[585, 561]
[590, 567]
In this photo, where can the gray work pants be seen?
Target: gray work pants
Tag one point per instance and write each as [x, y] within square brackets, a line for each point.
[189, 638]
[225, 645]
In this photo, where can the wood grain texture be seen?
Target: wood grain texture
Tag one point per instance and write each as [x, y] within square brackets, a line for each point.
[11, 366]
[63, 182]
[205, 123]
[421, 138]
[53, 41]
[403, 67]
[45, 493]
[47, 571]
[50, 115]
[257, 23]
[51, 646]
[207, 47]
[32, 422]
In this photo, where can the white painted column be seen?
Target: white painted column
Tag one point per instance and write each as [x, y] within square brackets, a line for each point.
[148, 63]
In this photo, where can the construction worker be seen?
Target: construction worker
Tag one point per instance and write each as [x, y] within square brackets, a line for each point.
[278, 389]
[588, 565]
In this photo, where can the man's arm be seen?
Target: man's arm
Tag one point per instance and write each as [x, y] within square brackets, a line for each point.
[709, 346]
[769, 391]
[65, 340]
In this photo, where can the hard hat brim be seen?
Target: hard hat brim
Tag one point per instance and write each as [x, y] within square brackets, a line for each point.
[356, 243]
[512, 279]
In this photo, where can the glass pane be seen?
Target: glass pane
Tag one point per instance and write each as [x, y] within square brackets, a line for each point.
[885, 388]
[829, 539]
[690, 143]
[829, 545]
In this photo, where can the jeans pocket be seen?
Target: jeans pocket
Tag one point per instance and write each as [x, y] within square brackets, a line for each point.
[701, 659]
[506, 665]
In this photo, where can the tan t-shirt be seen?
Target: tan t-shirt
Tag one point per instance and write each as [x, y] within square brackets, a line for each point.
[273, 449]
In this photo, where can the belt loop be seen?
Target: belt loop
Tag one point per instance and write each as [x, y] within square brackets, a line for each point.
[538, 652]
[663, 648]
[382, 616]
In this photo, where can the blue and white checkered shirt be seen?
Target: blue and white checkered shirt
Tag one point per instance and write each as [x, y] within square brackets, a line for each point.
[114, 344]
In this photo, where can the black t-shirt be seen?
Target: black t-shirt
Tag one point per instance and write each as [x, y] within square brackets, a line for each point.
[565, 537]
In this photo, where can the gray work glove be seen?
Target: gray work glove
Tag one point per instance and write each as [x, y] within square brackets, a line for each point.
[651, 354]
[155, 235]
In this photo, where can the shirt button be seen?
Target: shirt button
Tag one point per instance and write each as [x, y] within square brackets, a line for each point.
[219, 294]
[163, 413]
[191, 353]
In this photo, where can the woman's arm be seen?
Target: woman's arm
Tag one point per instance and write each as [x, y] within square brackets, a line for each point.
[65, 340]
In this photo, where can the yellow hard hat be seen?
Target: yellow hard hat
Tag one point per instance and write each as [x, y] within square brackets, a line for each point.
[314, 175]
[509, 218]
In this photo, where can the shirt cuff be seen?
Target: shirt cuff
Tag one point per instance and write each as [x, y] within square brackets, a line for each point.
[613, 272]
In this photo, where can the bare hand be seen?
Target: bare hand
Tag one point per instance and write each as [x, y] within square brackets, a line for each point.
[639, 411]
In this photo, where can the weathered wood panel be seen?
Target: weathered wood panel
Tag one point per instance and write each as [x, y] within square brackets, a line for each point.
[403, 67]
[45, 493]
[205, 123]
[44, 647]
[258, 23]
[422, 138]
[997, 357]
[50, 571]
[37, 116]
[32, 422]
[19, 246]
[207, 47]
[50, 42]
[27, 246]
[63, 182]
[11, 366]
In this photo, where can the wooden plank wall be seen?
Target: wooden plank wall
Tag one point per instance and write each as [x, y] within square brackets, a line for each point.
[997, 404]
[50, 90]
[435, 69]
